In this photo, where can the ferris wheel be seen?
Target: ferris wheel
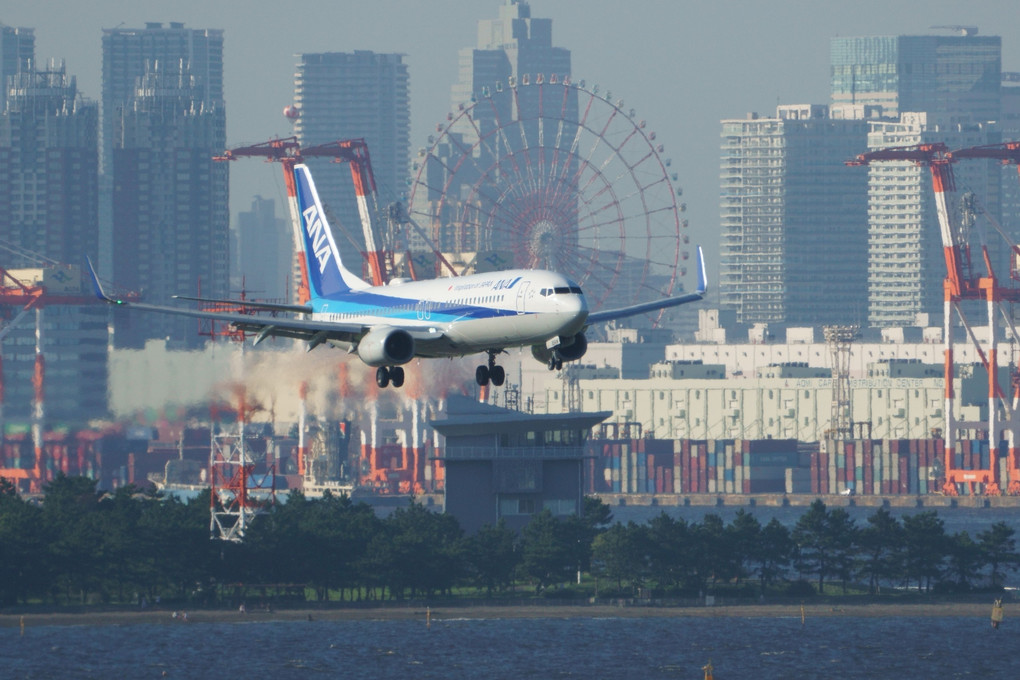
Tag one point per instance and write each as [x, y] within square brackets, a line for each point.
[540, 172]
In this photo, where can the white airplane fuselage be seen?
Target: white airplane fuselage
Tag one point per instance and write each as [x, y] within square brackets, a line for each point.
[473, 313]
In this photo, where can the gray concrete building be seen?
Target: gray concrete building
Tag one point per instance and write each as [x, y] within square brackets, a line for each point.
[48, 213]
[793, 243]
[17, 54]
[355, 95]
[509, 465]
[263, 253]
[170, 226]
[128, 55]
[957, 78]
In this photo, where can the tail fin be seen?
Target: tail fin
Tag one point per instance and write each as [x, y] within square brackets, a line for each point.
[702, 274]
[326, 272]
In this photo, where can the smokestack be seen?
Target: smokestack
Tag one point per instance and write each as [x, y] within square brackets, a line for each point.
[302, 451]
[38, 408]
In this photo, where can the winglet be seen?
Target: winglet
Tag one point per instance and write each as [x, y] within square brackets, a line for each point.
[702, 274]
[97, 287]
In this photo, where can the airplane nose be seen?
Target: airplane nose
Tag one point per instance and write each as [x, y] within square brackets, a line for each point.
[576, 306]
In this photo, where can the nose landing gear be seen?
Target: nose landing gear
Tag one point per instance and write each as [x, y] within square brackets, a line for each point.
[490, 372]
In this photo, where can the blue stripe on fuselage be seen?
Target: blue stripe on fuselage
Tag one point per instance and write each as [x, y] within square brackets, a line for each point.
[359, 304]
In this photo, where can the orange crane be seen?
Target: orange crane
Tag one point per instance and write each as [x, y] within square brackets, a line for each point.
[962, 283]
[1008, 153]
[352, 151]
[34, 297]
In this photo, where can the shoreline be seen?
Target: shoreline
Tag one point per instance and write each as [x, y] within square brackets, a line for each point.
[451, 612]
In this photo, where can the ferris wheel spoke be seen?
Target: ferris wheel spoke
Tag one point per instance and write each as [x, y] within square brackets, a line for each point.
[550, 178]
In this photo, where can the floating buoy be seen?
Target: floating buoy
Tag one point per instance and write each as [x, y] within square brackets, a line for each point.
[997, 613]
[708, 670]
[428, 618]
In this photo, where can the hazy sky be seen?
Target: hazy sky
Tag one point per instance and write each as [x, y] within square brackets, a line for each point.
[682, 64]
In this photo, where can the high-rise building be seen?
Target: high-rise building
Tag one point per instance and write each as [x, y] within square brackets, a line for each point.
[264, 252]
[956, 79]
[170, 213]
[163, 200]
[944, 89]
[906, 264]
[128, 55]
[48, 209]
[355, 95]
[794, 221]
[17, 52]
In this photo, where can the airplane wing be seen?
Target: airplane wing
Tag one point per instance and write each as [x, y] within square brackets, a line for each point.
[315, 332]
[265, 306]
[633, 310]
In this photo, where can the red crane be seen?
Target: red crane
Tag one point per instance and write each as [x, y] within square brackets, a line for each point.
[59, 285]
[352, 151]
[961, 283]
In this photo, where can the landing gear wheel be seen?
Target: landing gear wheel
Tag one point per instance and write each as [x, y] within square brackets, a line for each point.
[482, 376]
[397, 376]
[382, 377]
[497, 375]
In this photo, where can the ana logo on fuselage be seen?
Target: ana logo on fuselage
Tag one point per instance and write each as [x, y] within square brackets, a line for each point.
[316, 232]
[506, 284]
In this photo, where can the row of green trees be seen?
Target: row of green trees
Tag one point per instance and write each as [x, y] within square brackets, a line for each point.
[81, 545]
[826, 544]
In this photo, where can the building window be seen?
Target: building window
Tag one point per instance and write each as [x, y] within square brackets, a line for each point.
[560, 506]
[515, 505]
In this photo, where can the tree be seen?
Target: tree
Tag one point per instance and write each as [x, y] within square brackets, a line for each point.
[925, 547]
[24, 555]
[493, 556]
[880, 550]
[999, 549]
[621, 553]
[716, 558]
[179, 553]
[965, 558]
[671, 550]
[744, 536]
[549, 550]
[775, 553]
[75, 533]
[811, 536]
[419, 550]
[841, 537]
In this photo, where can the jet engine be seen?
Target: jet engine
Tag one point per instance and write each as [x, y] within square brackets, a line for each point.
[386, 346]
[569, 349]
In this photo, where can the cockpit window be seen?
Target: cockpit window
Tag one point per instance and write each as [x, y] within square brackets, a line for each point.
[560, 290]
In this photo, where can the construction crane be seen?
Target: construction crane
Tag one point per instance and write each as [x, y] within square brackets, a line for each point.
[29, 290]
[354, 152]
[962, 283]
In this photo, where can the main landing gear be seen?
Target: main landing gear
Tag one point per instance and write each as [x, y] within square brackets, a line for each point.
[490, 372]
[386, 375]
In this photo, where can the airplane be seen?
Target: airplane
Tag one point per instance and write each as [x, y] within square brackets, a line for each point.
[388, 326]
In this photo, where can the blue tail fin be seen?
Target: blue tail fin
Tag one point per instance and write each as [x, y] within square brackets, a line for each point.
[326, 272]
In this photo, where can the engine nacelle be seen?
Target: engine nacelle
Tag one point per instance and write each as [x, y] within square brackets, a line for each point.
[386, 346]
[571, 349]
